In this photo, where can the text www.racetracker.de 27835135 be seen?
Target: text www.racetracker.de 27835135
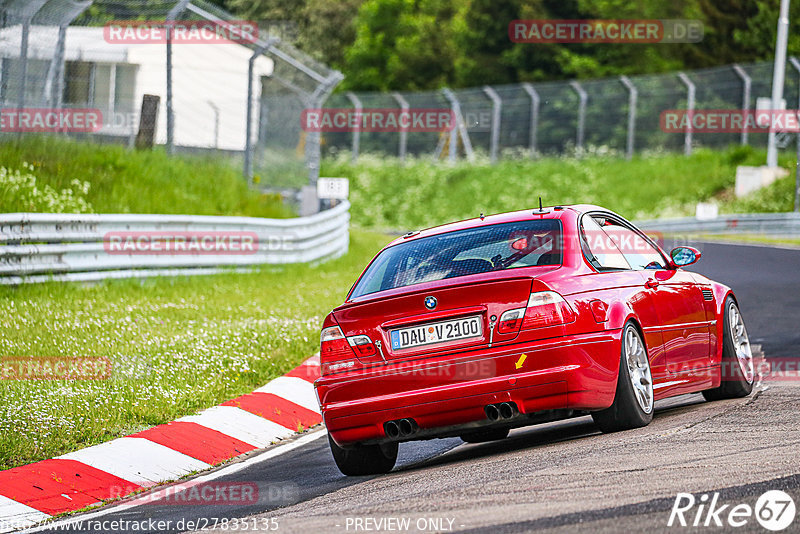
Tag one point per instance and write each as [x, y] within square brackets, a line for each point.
[245, 524]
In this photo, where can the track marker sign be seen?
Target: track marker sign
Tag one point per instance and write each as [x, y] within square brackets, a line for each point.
[334, 188]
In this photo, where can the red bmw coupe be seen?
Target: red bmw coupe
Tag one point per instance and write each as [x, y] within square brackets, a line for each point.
[479, 326]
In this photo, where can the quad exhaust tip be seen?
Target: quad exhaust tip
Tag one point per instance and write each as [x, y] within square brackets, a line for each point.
[503, 410]
[400, 428]
[392, 429]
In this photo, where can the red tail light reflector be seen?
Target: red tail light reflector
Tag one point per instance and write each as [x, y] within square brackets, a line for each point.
[547, 308]
[362, 345]
[333, 344]
[510, 321]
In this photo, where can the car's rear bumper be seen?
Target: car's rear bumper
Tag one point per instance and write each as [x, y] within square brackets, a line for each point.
[578, 373]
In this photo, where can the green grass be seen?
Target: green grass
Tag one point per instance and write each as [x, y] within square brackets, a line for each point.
[124, 181]
[776, 197]
[177, 345]
[388, 195]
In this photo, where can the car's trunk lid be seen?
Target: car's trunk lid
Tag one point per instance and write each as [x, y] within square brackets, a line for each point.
[464, 316]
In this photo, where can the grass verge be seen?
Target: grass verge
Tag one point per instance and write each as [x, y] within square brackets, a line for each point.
[177, 345]
[54, 174]
[386, 194]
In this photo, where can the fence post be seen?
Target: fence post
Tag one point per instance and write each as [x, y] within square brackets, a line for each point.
[455, 106]
[215, 109]
[26, 11]
[23, 50]
[312, 150]
[497, 107]
[57, 91]
[778, 72]
[171, 16]
[458, 128]
[796, 65]
[687, 138]
[633, 95]
[747, 84]
[583, 97]
[403, 131]
[534, 115]
[56, 71]
[351, 96]
[248, 130]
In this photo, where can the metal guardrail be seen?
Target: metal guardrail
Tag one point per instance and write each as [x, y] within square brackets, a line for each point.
[767, 224]
[37, 247]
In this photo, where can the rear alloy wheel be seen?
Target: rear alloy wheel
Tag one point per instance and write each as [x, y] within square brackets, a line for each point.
[482, 436]
[737, 358]
[633, 400]
[361, 460]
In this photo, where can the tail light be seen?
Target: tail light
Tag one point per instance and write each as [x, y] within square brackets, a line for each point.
[547, 308]
[510, 321]
[333, 345]
[362, 345]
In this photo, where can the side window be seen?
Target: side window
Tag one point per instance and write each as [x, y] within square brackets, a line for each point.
[637, 251]
[599, 248]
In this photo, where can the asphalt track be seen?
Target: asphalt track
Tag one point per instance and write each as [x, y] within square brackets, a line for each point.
[559, 477]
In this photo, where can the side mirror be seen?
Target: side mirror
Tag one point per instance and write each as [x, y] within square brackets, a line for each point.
[682, 256]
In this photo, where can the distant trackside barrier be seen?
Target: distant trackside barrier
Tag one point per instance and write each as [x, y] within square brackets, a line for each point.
[767, 224]
[37, 247]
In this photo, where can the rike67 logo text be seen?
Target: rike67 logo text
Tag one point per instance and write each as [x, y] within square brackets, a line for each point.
[774, 510]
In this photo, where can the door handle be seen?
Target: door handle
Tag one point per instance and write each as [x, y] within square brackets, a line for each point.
[651, 284]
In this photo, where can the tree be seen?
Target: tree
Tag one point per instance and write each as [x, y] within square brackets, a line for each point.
[480, 32]
[755, 40]
[401, 44]
[329, 29]
[426, 44]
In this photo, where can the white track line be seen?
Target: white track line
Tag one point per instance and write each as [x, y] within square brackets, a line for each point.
[293, 389]
[225, 471]
[240, 424]
[16, 515]
[137, 460]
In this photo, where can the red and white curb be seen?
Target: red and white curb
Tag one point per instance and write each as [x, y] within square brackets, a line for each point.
[32, 493]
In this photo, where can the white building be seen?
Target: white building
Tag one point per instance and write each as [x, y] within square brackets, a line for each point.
[209, 82]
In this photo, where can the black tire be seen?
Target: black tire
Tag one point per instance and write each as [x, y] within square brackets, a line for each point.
[482, 436]
[362, 460]
[735, 383]
[626, 411]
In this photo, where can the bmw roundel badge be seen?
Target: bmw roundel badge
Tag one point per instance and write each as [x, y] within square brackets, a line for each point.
[430, 302]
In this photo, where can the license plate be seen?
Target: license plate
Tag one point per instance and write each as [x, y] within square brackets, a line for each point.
[441, 332]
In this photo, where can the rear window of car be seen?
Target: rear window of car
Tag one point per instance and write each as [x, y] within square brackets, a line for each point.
[494, 247]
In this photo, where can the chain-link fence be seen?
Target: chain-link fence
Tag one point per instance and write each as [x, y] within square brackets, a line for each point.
[92, 66]
[32, 40]
[618, 115]
[207, 81]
